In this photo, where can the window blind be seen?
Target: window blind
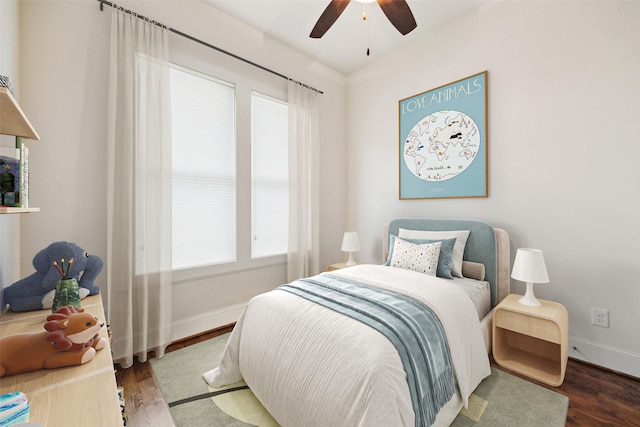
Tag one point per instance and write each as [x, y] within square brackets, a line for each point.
[203, 155]
[270, 176]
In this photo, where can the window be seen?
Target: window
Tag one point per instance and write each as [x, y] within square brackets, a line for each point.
[204, 182]
[269, 176]
[230, 171]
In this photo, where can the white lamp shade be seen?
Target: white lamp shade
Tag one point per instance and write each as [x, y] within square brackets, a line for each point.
[529, 266]
[350, 242]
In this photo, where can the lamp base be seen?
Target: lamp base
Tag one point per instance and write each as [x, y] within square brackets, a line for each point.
[528, 298]
[351, 262]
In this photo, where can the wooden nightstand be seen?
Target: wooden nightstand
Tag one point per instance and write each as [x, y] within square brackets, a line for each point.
[337, 266]
[533, 341]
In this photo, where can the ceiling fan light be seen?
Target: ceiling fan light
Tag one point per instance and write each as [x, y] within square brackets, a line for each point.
[365, 1]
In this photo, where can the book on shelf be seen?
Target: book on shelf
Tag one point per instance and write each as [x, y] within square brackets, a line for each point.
[24, 172]
[14, 175]
[10, 182]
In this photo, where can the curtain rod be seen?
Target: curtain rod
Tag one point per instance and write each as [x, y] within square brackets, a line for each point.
[180, 33]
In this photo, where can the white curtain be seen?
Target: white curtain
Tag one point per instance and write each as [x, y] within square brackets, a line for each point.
[139, 189]
[303, 254]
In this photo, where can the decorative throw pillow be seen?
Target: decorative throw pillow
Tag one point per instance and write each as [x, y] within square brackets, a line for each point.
[444, 260]
[473, 270]
[421, 258]
[458, 250]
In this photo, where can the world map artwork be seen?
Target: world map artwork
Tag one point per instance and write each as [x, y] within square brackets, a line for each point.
[441, 145]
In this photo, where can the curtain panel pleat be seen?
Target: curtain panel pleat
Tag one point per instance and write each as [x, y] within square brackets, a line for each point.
[139, 275]
[303, 253]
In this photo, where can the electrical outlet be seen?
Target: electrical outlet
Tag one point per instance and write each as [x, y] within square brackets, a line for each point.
[600, 317]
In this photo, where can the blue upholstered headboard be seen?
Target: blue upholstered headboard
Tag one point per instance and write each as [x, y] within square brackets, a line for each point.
[482, 244]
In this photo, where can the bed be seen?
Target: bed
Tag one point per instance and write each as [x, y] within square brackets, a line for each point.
[312, 365]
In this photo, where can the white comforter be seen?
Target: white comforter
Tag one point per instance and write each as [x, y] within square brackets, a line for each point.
[310, 366]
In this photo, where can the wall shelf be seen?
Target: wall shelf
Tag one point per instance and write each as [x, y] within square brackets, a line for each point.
[5, 210]
[13, 121]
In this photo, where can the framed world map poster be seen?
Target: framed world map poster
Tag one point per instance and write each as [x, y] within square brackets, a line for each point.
[443, 141]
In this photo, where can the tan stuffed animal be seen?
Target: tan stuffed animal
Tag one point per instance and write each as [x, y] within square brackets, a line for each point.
[71, 338]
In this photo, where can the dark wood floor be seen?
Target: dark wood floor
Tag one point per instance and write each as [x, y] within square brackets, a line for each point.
[597, 397]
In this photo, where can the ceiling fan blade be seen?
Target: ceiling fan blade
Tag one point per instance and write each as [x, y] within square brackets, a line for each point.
[399, 15]
[328, 17]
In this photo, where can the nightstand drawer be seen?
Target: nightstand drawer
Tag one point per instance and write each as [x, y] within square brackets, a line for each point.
[525, 324]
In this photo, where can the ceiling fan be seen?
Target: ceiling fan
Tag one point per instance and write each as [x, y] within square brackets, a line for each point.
[397, 11]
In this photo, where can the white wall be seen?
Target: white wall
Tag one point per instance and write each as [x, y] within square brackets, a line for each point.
[563, 103]
[65, 62]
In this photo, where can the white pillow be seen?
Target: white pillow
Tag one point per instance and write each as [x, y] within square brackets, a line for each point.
[410, 256]
[458, 249]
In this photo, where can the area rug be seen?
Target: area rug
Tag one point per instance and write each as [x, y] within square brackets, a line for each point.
[500, 400]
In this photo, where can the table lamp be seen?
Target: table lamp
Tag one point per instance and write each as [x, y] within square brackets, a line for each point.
[529, 267]
[351, 244]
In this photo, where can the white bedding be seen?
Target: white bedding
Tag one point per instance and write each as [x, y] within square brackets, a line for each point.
[311, 366]
[479, 291]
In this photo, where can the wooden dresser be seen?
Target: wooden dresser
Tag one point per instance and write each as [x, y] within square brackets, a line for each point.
[84, 395]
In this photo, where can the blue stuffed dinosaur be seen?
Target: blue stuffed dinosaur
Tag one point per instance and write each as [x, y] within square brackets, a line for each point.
[35, 292]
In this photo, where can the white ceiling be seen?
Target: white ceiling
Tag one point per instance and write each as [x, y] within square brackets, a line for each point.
[344, 46]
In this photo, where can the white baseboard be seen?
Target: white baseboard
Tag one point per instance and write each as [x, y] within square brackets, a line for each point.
[198, 324]
[606, 356]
